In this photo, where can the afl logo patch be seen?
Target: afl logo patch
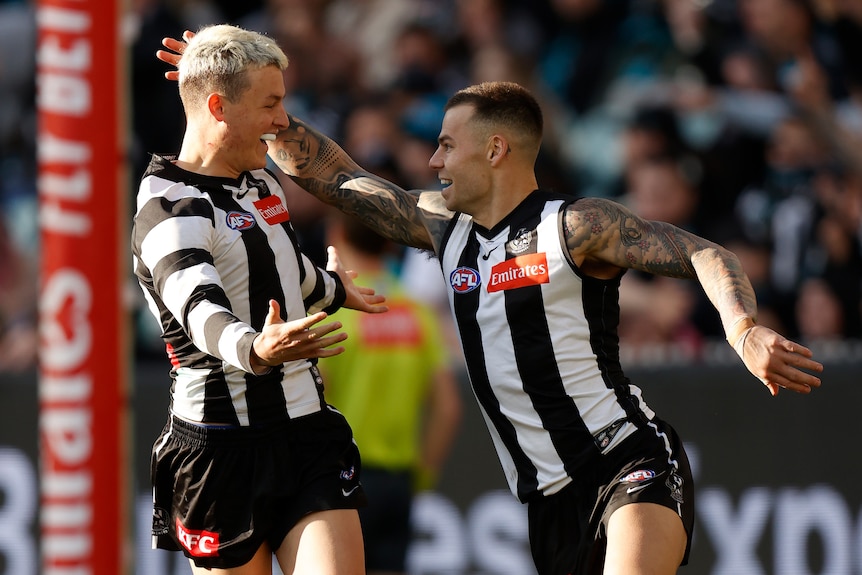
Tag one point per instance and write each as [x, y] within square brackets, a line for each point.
[464, 280]
[239, 221]
[638, 476]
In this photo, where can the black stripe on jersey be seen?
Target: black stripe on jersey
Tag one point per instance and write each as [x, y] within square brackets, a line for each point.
[538, 369]
[177, 261]
[219, 404]
[466, 306]
[319, 290]
[157, 210]
[291, 233]
[264, 283]
[602, 311]
[215, 326]
[264, 392]
[288, 229]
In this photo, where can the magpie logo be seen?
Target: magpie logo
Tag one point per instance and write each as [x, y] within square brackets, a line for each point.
[160, 522]
[522, 241]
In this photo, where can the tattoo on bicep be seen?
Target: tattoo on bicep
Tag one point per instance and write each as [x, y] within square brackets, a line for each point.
[654, 247]
[611, 233]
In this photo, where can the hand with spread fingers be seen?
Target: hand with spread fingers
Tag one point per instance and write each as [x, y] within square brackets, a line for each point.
[177, 48]
[777, 361]
[280, 341]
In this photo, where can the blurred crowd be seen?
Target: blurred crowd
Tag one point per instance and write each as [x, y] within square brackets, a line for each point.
[740, 120]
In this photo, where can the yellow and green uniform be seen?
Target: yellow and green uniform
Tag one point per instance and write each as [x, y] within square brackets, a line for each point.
[381, 381]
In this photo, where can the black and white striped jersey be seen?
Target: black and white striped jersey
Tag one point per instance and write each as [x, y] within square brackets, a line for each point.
[209, 254]
[541, 345]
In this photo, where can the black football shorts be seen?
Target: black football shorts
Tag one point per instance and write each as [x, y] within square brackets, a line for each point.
[221, 492]
[568, 530]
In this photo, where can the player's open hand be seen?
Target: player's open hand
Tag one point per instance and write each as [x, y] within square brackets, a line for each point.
[779, 362]
[280, 341]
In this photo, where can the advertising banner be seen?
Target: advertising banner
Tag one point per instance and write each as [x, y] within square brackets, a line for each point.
[775, 479]
[82, 396]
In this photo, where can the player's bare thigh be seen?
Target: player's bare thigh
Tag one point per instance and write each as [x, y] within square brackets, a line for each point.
[260, 564]
[324, 543]
[644, 539]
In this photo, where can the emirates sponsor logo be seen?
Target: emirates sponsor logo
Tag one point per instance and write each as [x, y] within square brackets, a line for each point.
[198, 543]
[272, 210]
[522, 271]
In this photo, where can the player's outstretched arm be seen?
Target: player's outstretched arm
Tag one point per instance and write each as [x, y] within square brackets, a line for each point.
[604, 237]
[321, 167]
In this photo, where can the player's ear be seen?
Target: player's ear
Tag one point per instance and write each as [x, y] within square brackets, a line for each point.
[498, 147]
[215, 105]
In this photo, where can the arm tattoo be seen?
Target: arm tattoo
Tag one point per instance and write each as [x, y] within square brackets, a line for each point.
[604, 233]
[322, 168]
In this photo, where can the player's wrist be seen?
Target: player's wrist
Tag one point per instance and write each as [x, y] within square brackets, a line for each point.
[738, 333]
[739, 329]
[258, 365]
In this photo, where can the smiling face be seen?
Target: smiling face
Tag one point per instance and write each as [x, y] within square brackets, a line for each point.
[248, 120]
[461, 161]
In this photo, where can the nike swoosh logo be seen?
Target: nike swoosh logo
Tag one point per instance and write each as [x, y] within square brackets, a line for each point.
[488, 254]
[637, 488]
[346, 493]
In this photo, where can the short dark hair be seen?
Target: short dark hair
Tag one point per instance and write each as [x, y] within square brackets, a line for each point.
[503, 103]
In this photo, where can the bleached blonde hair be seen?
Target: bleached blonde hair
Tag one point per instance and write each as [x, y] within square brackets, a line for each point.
[218, 58]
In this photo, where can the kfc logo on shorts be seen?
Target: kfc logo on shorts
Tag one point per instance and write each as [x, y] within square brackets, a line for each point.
[522, 271]
[198, 543]
[464, 280]
[239, 221]
[638, 476]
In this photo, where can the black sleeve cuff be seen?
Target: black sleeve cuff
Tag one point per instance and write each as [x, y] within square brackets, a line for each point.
[340, 295]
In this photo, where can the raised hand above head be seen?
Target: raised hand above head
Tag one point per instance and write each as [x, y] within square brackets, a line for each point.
[173, 57]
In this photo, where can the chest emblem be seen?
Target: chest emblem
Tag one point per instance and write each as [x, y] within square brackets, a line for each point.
[522, 242]
[522, 271]
[464, 279]
[273, 210]
[239, 221]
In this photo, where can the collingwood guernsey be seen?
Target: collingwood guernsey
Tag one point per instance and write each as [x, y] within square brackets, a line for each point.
[209, 253]
[541, 345]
